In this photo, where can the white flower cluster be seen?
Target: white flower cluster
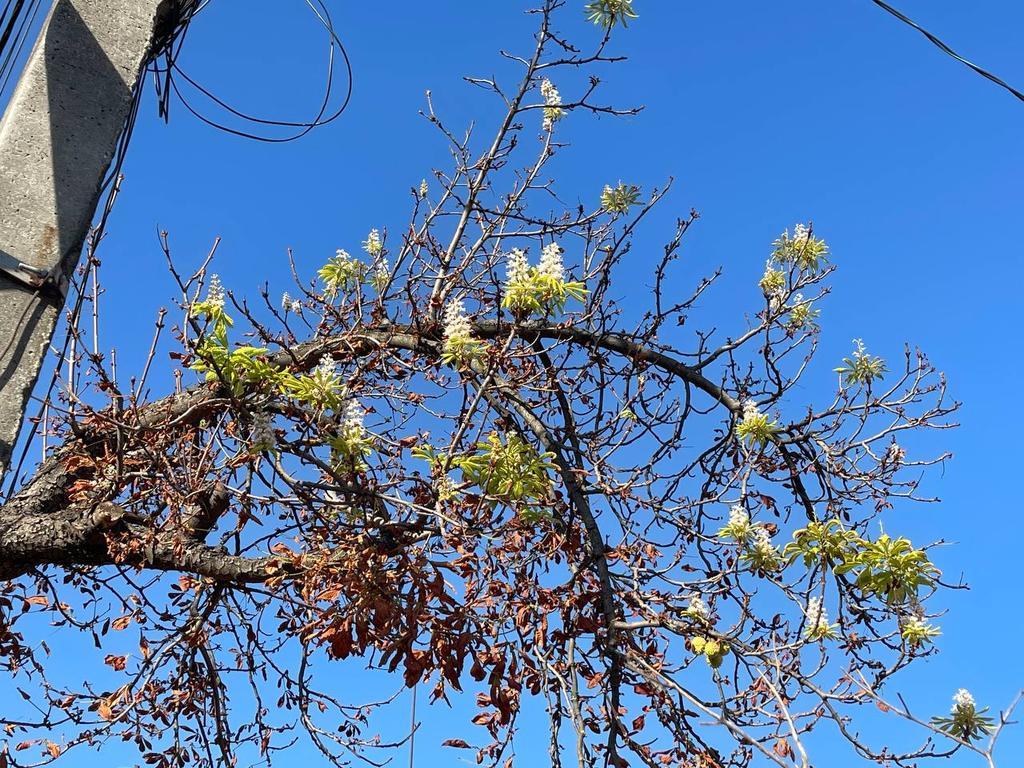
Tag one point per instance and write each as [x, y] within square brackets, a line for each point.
[539, 289]
[754, 539]
[551, 262]
[353, 423]
[738, 528]
[801, 250]
[802, 315]
[552, 97]
[962, 702]
[517, 269]
[373, 245]
[215, 293]
[773, 283]
[456, 323]
[444, 487]
[327, 368]
[552, 104]
[459, 345]
[381, 273]
[754, 427]
[914, 623]
[763, 546]
[738, 516]
[800, 234]
[860, 367]
[261, 436]
[750, 410]
[698, 607]
[291, 304]
[326, 378]
[817, 617]
[424, 189]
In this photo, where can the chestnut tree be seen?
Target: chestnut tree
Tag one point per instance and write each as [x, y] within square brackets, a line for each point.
[447, 461]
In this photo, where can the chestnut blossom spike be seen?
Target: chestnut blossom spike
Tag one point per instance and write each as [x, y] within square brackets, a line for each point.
[456, 322]
[373, 244]
[773, 281]
[381, 273]
[763, 540]
[698, 607]
[354, 415]
[459, 345]
[215, 292]
[517, 269]
[754, 427]
[738, 515]
[963, 701]
[327, 368]
[817, 616]
[551, 262]
[552, 104]
[552, 97]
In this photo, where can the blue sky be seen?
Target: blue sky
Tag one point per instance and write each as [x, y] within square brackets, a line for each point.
[765, 114]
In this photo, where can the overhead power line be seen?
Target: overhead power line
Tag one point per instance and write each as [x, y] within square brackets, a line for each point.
[947, 50]
[171, 78]
[17, 22]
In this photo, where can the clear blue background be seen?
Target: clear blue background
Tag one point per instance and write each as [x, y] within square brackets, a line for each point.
[764, 113]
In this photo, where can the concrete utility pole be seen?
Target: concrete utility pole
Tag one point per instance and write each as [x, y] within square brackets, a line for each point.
[57, 139]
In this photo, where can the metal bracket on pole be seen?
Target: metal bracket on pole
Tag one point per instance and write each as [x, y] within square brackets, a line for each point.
[34, 277]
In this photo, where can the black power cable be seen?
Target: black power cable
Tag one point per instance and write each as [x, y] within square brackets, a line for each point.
[17, 21]
[9, 17]
[170, 75]
[947, 50]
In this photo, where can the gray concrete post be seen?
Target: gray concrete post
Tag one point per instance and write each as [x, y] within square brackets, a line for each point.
[57, 139]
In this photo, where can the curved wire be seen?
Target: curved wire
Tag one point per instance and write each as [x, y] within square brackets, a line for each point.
[322, 117]
[947, 50]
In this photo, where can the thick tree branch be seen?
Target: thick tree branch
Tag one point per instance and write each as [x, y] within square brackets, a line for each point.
[41, 525]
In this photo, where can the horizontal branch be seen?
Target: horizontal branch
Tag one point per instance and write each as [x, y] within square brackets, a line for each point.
[79, 538]
[41, 525]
